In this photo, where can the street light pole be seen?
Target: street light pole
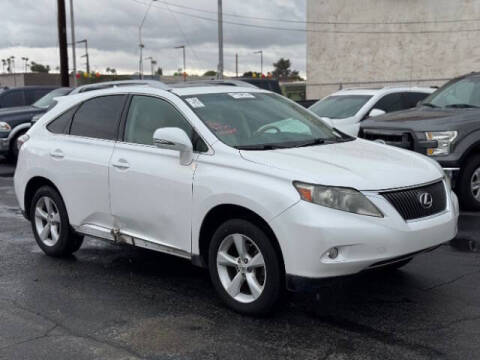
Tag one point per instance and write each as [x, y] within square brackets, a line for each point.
[62, 43]
[74, 57]
[261, 61]
[220, 41]
[140, 43]
[152, 62]
[184, 62]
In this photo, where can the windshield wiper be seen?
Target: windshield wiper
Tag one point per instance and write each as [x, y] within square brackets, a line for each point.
[430, 105]
[259, 147]
[310, 143]
[461, 106]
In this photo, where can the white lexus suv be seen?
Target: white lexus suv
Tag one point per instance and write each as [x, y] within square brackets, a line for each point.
[240, 180]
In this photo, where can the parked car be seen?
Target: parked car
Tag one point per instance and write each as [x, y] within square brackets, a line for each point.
[22, 96]
[15, 121]
[238, 179]
[444, 127]
[347, 108]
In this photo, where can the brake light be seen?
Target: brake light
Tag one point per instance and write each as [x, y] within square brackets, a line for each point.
[22, 140]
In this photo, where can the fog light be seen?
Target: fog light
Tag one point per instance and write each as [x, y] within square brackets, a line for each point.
[333, 253]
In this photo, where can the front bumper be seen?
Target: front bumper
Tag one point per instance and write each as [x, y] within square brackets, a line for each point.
[306, 233]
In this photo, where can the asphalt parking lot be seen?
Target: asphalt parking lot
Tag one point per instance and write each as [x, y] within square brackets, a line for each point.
[112, 302]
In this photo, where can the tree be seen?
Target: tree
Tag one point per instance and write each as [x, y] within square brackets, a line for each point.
[159, 71]
[36, 67]
[210, 73]
[282, 69]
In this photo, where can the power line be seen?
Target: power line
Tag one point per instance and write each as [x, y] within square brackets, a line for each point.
[318, 31]
[406, 22]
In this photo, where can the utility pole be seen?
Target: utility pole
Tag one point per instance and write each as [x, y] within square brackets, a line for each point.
[85, 41]
[261, 61]
[74, 57]
[140, 43]
[220, 41]
[236, 64]
[62, 42]
[184, 62]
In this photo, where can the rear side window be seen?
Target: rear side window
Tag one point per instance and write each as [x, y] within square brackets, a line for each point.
[61, 123]
[391, 102]
[32, 95]
[12, 98]
[98, 118]
[412, 99]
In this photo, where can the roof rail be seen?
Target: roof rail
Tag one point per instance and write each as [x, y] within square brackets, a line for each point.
[213, 82]
[120, 83]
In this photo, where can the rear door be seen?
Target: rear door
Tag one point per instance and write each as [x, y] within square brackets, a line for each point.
[81, 157]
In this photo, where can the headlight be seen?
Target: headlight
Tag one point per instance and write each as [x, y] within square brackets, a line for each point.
[4, 126]
[444, 140]
[344, 199]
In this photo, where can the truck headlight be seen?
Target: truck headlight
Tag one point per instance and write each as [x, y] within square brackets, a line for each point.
[444, 140]
[339, 198]
[4, 126]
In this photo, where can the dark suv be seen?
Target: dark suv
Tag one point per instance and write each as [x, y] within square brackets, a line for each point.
[22, 96]
[445, 127]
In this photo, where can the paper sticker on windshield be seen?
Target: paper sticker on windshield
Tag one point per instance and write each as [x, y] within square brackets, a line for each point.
[242, 95]
[195, 102]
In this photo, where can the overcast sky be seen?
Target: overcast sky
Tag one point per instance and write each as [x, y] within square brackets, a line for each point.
[111, 27]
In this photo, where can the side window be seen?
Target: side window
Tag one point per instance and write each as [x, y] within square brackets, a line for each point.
[32, 95]
[391, 102]
[412, 99]
[98, 117]
[61, 123]
[12, 98]
[147, 114]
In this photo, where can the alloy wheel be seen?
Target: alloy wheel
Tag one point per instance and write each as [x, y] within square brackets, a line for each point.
[47, 221]
[475, 184]
[241, 268]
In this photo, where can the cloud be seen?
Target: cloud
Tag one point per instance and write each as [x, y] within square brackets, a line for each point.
[111, 27]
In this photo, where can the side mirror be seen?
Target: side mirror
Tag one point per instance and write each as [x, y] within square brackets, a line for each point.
[173, 138]
[376, 112]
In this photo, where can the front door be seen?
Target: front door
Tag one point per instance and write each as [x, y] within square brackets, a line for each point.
[151, 192]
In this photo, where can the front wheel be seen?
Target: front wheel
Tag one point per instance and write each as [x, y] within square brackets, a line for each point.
[468, 186]
[50, 224]
[245, 268]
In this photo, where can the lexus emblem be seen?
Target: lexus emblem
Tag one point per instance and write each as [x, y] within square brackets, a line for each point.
[426, 200]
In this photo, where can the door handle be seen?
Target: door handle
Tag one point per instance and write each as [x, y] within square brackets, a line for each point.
[57, 154]
[121, 164]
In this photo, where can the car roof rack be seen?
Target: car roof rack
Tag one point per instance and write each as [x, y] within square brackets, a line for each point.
[120, 83]
[213, 82]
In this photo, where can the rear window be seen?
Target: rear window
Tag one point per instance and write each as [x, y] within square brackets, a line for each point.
[61, 123]
[98, 118]
[339, 106]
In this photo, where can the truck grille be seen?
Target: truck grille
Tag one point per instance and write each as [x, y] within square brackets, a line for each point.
[394, 138]
[414, 204]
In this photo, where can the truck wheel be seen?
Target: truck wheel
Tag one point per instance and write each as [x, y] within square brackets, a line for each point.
[50, 224]
[245, 268]
[468, 187]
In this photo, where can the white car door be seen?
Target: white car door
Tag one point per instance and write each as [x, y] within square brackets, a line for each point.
[151, 192]
[81, 158]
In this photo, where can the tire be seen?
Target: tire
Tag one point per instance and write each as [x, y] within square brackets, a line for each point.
[470, 175]
[256, 285]
[50, 224]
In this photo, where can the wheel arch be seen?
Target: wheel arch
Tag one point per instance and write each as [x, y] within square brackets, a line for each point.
[31, 188]
[223, 212]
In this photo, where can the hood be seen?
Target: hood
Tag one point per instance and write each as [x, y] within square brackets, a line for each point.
[12, 113]
[358, 164]
[424, 119]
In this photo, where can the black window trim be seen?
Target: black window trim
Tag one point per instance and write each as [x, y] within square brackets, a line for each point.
[123, 123]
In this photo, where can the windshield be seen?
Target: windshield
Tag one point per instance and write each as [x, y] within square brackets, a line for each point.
[260, 121]
[339, 106]
[46, 101]
[460, 93]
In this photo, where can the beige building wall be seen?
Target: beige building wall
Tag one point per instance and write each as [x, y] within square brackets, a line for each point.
[424, 54]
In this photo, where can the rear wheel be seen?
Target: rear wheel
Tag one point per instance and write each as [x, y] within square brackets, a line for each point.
[50, 224]
[245, 268]
[468, 186]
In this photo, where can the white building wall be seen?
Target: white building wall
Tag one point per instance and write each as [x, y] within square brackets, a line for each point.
[359, 58]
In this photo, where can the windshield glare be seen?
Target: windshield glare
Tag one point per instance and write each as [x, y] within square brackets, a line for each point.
[339, 106]
[258, 119]
[46, 101]
[464, 93]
